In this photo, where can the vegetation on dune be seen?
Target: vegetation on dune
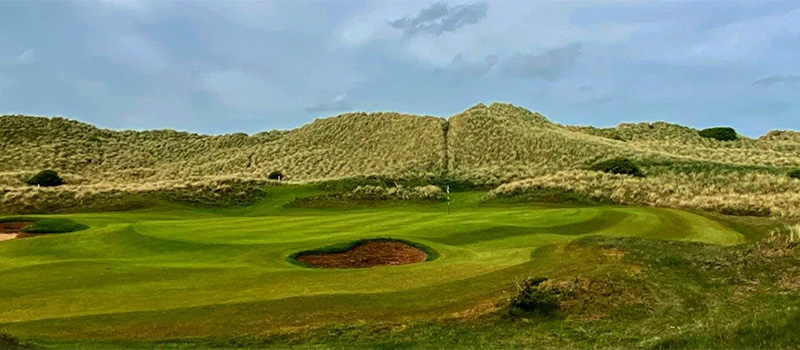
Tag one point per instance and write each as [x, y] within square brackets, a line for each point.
[795, 174]
[754, 193]
[223, 192]
[351, 144]
[719, 134]
[482, 147]
[276, 175]
[619, 166]
[45, 178]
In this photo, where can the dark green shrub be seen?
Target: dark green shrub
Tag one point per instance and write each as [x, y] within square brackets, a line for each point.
[535, 298]
[795, 174]
[46, 178]
[622, 166]
[9, 342]
[275, 175]
[721, 134]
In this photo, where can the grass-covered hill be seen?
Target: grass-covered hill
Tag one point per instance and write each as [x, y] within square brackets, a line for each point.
[359, 143]
[499, 144]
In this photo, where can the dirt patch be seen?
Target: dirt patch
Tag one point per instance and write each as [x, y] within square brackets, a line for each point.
[370, 254]
[7, 236]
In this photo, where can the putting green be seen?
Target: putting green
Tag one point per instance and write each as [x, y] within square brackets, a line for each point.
[177, 271]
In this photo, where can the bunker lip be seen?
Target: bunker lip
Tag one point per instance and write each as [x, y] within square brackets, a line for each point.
[12, 229]
[365, 254]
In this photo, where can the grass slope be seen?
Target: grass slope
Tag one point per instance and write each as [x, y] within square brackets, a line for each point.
[176, 271]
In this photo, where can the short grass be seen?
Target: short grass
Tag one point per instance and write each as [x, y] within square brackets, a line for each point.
[174, 274]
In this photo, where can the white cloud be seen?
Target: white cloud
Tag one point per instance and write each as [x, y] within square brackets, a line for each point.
[338, 104]
[508, 28]
[29, 56]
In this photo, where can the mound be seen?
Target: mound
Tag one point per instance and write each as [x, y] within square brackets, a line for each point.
[366, 254]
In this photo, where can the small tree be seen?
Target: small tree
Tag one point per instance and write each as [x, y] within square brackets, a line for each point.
[275, 175]
[721, 134]
[622, 166]
[46, 178]
[795, 174]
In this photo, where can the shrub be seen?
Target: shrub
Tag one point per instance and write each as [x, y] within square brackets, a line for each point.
[721, 134]
[622, 166]
[275, 175]
[795, 174]
[534, 297]
[7, 341]
[46, 178]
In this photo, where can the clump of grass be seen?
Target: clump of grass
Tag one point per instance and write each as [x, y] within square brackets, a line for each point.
[719, 134]
[276, 175]
[9, 342]
[533, 297]
[45, 178]
[756, 194]
[795, 174]
[619, 166]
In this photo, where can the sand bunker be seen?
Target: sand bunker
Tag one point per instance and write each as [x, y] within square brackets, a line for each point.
[12, 229]
[369, 254]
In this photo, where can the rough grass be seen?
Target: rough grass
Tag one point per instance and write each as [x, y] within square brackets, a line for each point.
[482, 146]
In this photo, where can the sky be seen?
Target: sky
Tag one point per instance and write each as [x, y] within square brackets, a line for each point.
[247, 66]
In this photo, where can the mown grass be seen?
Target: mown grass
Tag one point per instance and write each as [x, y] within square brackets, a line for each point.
[188, 273]
[628, 292]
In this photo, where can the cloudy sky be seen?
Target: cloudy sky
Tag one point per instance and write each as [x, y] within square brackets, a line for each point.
[214, 66]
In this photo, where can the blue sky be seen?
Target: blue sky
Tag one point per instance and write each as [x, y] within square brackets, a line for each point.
[216, 67]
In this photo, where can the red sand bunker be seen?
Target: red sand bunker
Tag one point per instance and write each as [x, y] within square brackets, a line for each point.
[10, 230]
[369, 254]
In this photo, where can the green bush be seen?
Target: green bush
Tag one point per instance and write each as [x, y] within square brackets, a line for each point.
[275, 175]
[721, 134]
[9, 342]
[795, 174]
[46, 178]
[622, 166]
[533, 297]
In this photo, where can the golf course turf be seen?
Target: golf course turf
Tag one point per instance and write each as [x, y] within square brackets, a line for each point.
[175, 271]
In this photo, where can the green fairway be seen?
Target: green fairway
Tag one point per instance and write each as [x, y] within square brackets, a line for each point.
[177, 271]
